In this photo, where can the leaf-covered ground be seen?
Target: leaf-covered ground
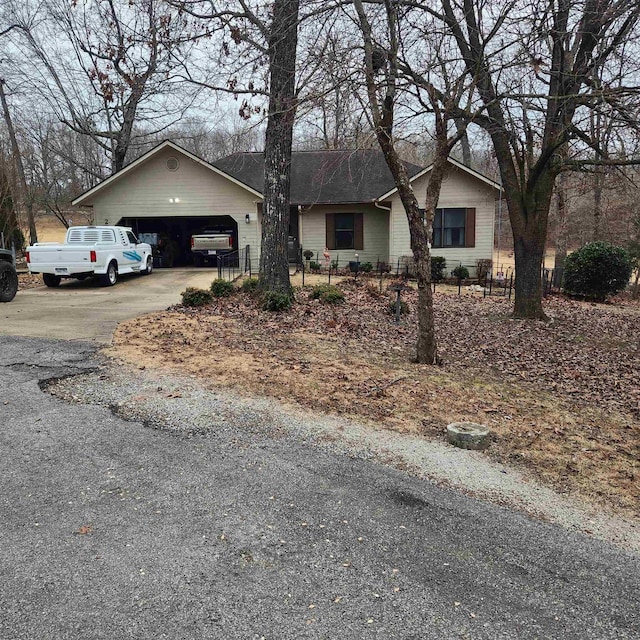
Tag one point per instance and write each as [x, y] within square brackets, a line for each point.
[562, 398]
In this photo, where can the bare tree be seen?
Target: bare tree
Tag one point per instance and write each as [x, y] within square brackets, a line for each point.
[283, 40]
[537, 74]
[250, 34]
[26, 194]
[106, 66]
[392, 75]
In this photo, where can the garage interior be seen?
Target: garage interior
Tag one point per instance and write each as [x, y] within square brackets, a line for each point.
[172, 236]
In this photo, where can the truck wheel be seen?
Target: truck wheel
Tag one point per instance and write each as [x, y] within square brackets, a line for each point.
[198, 260]
[149, 268]
[111, 277]
[8, 282]
[51, 280]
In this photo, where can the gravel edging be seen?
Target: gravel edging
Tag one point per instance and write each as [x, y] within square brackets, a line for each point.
[187, 408]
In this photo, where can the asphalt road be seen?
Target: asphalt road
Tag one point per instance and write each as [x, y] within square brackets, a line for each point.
[113, 529]
[86, 311]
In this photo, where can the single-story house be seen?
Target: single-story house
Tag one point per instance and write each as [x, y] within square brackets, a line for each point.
[345, 201]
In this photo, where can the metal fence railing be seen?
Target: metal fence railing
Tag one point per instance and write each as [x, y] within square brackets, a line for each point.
[235, 264]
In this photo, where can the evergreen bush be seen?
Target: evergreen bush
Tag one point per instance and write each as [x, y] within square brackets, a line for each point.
[222, 288]
[276, 301]
[597, 270]
[194, 297]
[332, 295]
[438, 265]
[460, 272]
[249, 285]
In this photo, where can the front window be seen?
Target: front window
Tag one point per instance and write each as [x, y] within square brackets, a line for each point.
[448, 228]
[345, 231]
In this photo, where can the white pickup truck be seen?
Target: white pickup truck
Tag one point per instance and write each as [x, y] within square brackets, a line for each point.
[103, 252]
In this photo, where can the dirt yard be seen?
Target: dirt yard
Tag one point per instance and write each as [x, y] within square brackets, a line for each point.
[563, 399]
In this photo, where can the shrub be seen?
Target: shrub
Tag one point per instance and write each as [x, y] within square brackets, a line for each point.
[334, 265]
[332, 295]
[249, 285]
[319, 289]
[597, 270]
[194, 297]
[438, 265]
[460, 272]
[404, 308]
[221, 288]
[308, 254]
[314, 266]
[276, 301]
[366, 267]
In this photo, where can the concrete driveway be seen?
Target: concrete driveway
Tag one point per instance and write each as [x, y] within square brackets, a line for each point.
[86, 311]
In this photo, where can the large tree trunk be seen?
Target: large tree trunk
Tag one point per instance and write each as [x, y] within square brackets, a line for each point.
[529, 253]
[529, 218]
[283, 41]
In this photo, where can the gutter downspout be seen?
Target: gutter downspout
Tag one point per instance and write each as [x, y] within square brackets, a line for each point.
[390, 241]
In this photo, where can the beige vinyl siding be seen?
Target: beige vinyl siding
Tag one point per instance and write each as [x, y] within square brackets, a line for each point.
[146, 191]
[375, 226]
[459, 190]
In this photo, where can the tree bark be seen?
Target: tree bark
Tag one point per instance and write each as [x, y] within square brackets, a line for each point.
[283, 40]
[17, 157]
[598, 185]
[461, 127]
[529, 221]
[562, 223]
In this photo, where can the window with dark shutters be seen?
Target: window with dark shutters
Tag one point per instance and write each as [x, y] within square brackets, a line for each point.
[331, 230]
[345, 231]
[470, 228]
[454, 227]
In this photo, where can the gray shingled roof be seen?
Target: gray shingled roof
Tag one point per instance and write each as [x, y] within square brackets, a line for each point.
[328, 177]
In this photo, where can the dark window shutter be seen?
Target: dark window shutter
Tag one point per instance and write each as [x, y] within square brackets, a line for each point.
[470, 228]
[359, 231]
[330, 223]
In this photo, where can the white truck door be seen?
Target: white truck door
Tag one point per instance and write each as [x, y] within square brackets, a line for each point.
[132, 256]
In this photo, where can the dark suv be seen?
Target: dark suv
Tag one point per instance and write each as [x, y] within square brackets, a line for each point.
[8, 277]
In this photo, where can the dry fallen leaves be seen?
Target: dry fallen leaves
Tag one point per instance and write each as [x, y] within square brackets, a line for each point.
[563, 398]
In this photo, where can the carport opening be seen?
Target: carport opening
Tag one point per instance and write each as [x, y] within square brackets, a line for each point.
[170, 238]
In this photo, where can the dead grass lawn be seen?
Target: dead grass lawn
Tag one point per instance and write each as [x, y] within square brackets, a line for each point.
[563, 399]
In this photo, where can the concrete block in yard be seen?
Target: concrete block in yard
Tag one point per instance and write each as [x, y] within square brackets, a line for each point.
[468, 435]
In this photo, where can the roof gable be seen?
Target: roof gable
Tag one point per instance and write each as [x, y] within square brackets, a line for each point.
[82, 198]
[453, 162]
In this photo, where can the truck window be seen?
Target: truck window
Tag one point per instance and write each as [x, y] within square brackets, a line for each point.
[132, 238]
